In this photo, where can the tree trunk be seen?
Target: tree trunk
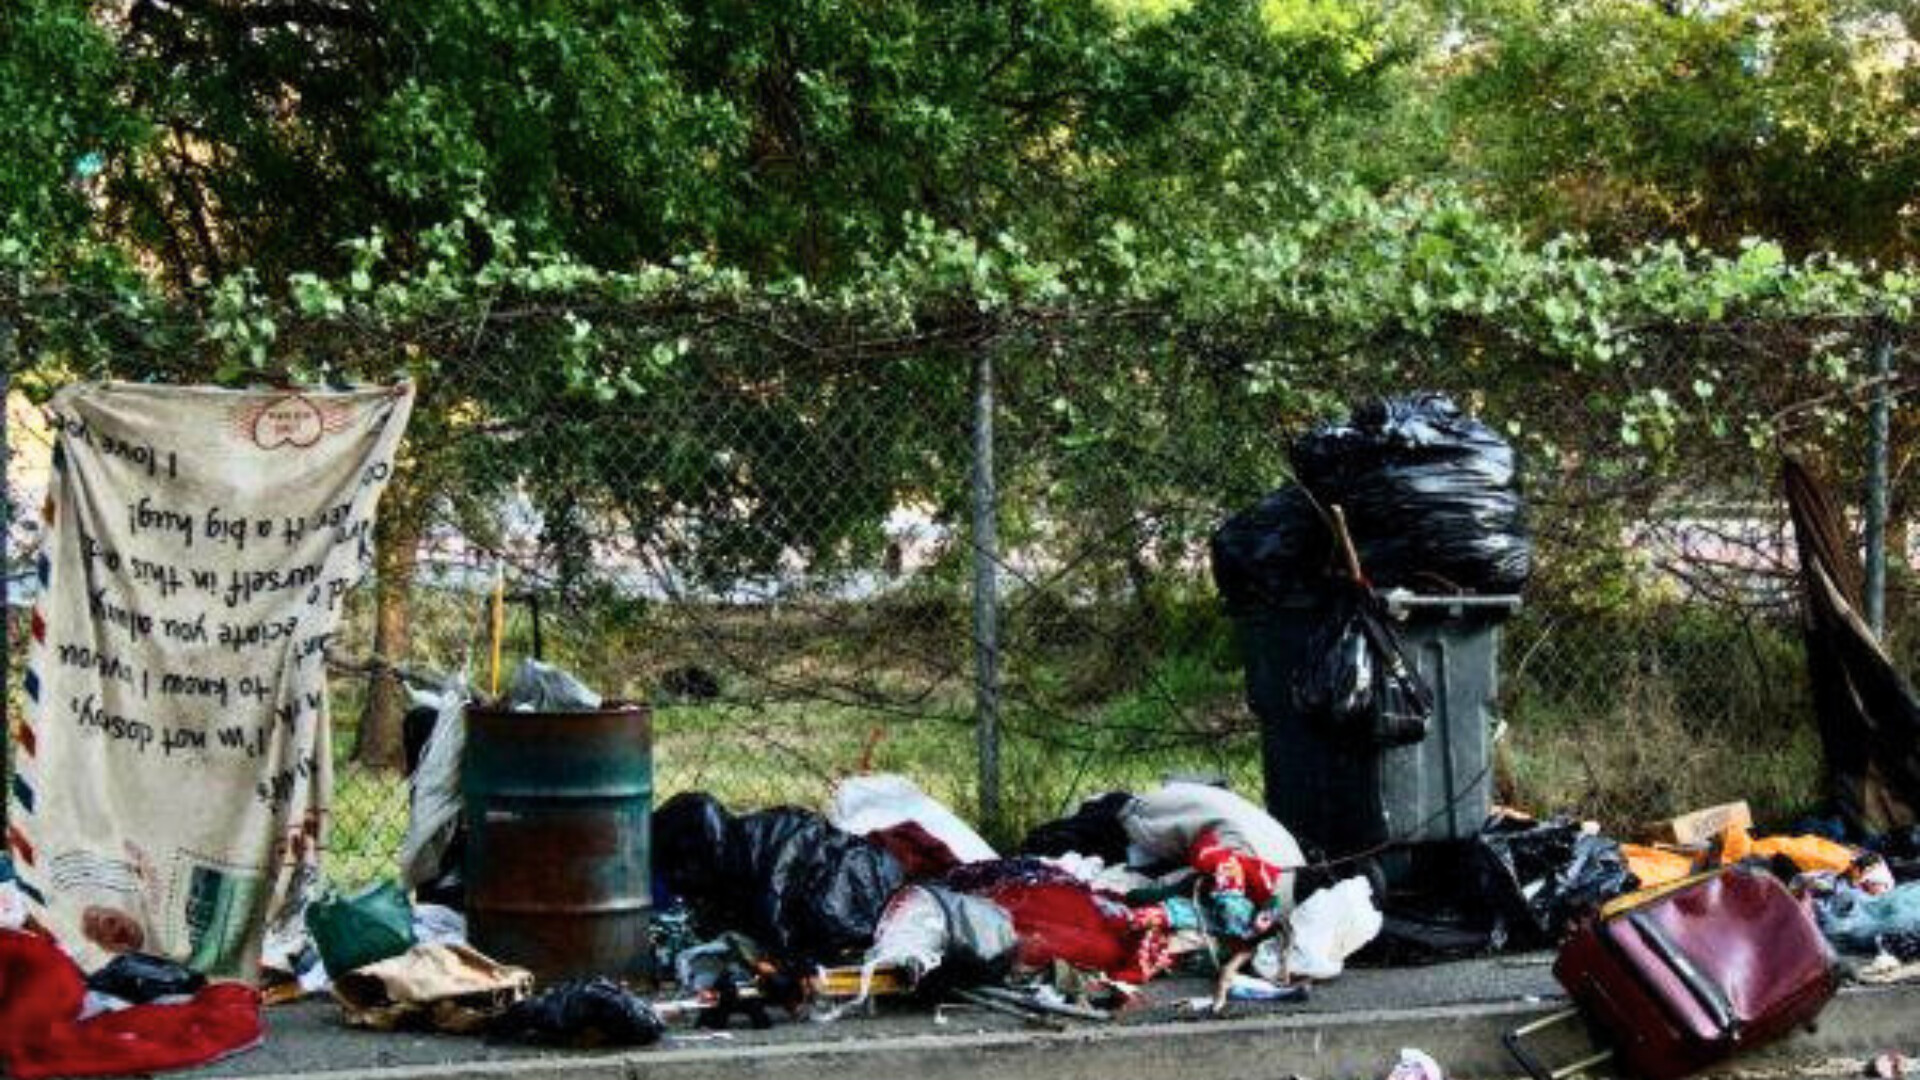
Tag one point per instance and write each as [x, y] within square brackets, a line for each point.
[396, 551]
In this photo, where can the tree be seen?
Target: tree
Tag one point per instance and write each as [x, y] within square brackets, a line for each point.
[1635, 120]
[61, 122]
[780, 138]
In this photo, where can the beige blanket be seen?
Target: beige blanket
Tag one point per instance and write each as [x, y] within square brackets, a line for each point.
[174, 774]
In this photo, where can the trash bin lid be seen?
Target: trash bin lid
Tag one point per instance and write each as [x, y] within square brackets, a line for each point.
[1402, 603]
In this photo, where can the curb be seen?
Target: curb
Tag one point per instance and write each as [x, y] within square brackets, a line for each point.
[1465, 1039]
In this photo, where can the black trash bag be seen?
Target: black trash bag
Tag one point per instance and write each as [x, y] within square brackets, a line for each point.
[690, 836]
[1542, 878]
[580, 1013]
[1431, 498]
[1438, 915]
[1093, 830]
[1431, 495]
[1274, 550]
[805, 890]
[139, 978]
[1413, 938]
[1358, 680]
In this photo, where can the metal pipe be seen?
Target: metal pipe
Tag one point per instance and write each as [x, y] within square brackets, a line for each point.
[986, 596]
[1877, 453]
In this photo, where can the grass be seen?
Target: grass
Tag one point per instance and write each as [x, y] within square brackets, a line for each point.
[1621, 719]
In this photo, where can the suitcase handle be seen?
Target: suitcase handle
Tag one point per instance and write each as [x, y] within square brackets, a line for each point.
[1515, 1042]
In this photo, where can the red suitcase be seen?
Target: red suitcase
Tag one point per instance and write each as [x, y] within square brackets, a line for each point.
[1693, 975]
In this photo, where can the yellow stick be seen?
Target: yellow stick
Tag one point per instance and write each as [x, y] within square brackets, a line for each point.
[499, 629]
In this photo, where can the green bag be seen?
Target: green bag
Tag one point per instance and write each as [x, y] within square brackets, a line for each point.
[353, 931]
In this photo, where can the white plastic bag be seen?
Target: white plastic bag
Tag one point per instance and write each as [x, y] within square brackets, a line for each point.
[434, 924]
[1330, 926]
[864, 804]
[433, 811]
[542, 687]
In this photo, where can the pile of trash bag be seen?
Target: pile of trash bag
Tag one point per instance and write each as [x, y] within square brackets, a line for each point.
[1542, 877]
[1431, 498]
[785, 877]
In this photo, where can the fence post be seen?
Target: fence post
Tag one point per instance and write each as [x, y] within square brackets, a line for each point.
[6, 576]
[1876, 523]
[986, 596]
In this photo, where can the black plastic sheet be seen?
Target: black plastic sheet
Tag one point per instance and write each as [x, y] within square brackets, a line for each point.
[1540, 879]
[139, 978]
[1094, 830]
[581, 1013]
[1416, 937]
[786, 878]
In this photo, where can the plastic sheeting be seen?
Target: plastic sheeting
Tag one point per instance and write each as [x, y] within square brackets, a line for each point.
[541, 687]
[1653, 867]
[785, 877]
[942, 938]
[1330, 926]
[865, 804]
[1540, 878]
[582, 1013]
[1858, 923]
[1358, 677]
[139, 978]
[433, 809]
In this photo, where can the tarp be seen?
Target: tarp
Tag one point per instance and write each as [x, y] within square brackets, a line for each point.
[1869, 715]
[174, 773]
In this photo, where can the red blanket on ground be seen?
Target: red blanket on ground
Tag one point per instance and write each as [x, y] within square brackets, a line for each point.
[41, 1035]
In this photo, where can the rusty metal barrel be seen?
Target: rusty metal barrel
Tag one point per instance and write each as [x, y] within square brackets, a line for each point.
[558, 808]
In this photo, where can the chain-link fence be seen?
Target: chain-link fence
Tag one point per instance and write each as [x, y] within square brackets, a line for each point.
[781, 553]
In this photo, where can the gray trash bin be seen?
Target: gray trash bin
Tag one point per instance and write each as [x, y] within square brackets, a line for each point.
[1343, 798]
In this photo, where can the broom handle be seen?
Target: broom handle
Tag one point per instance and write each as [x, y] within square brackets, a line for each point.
[1346, 544]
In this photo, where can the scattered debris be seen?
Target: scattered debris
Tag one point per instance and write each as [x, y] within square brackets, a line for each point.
[1416, 1065]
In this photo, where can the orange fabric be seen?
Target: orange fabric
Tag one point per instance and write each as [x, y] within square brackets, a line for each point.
[1808, 853]
[1735, 845]
[1655, 866]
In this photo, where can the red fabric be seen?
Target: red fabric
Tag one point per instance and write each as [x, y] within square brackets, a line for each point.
[41, 992]
[39, 987]
[1235, 871]
[1061, 921]
[919, 852]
